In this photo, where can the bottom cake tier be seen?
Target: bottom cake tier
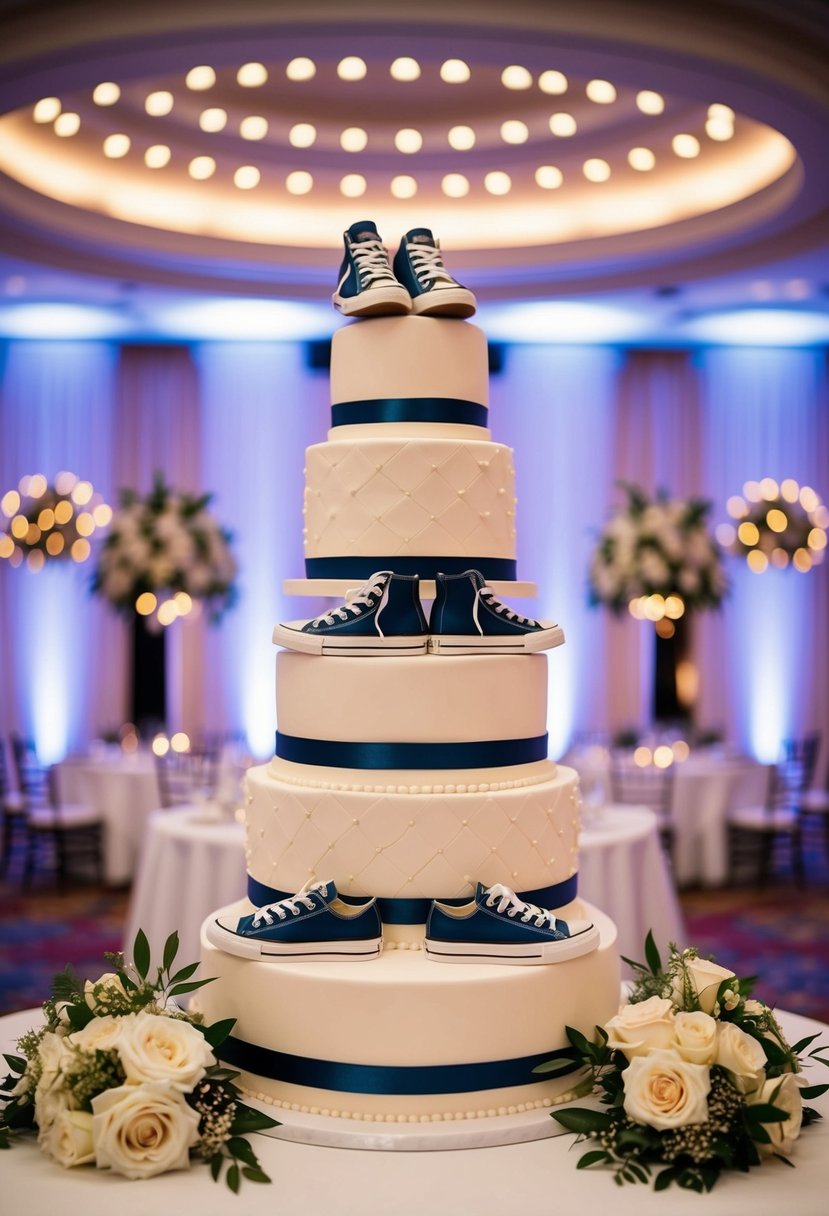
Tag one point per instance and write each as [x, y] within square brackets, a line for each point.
[403, 1038]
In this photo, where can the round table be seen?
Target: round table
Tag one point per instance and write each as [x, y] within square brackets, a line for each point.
[193, 862]
[538, 1178]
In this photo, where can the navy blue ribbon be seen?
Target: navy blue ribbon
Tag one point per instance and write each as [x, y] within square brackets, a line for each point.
[336, 753]
[409, 409]
[415, 911]
[494, 569]
[385, 1078]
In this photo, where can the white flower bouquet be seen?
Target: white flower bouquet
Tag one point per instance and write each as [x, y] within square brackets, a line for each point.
[167, 542]
[120, 1077]
[698, 1078]
[659, 547]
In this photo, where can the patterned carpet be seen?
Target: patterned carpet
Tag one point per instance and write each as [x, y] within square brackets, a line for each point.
[780, 934]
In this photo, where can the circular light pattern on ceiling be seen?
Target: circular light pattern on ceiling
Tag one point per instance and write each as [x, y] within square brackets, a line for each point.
[719, 129]
[157, 156]
[596, 170]
[405, 69]
[68, 123]
[200, 78]
[252, 75]
[513, 131]
[516, 77]
[353, 185]
[106, 94]
[454, 71]
[497, 182]
[302, 135]
[548, 177]
[246, 177]
[562, 125]
[253, 127]
[461, 138]
[299, 182]
[602, 92]
[641, 159]
[408, 140]
[116, 146]
[685, 146]
[650, 102]
[455, 185]
[159, 103]
[201, 167]
[353, 139]
[300, 69]
[403, 186]
[552, 83]
[717, 110]
[214, 119]
[351, 68]
[46, 110]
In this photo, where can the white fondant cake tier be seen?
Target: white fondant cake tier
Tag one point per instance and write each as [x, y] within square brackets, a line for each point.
[404, 1012]
[409, 357]
[396, 497]
[398, 845]
[418, 699]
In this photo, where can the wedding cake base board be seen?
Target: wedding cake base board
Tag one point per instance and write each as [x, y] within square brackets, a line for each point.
[338, 587]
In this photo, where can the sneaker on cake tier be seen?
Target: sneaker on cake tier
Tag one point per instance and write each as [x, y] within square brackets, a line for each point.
[498, 927]
[380, 619]
[467, 618]
[313, 924]
[367, 286]
[418, 265]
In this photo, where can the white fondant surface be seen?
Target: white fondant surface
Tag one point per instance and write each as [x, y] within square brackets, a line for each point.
[389, 357]
[419, 699]
[408, 430]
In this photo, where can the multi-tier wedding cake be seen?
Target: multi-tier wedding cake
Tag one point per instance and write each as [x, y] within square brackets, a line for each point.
[410, 815]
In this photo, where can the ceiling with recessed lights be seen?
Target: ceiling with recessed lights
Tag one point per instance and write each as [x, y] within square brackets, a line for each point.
[551, 147]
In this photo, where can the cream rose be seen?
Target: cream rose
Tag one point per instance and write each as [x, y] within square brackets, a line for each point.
[101, 993]
[783, 1135]
[695, 1037]
[705, 978]
[662, 1090]
[69, 1139]
[142, 1130]
[101, 1034]
[638, 1029]
[153, 1048]
[51, 1093]
[741, 1055]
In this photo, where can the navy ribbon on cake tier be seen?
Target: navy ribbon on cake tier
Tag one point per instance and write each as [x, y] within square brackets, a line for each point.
[385, 1078]
[409, 409]
[336, 753]
[414, 911]
[494, 569]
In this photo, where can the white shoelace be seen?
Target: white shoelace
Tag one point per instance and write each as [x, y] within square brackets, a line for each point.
[291, 905]
[428, 265]
[356, 599]
[509, 902]
[372, 260]
[486, 594]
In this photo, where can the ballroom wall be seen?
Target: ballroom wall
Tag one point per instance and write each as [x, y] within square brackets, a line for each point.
[234, 418]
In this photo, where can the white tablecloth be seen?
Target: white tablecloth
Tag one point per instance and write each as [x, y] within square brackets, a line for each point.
[532, 1179]
[192, 862]
[124, 791]
[624, 871]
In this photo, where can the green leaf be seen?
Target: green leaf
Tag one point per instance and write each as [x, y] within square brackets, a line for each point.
[764, 1112]
[171, 950]
[652, 954]
[813, 1091]
[240, 1148]
[664, 1178]
[233, 1178]
[16, 1063]
[592, 1158]
[553, 1066]
[255, 1174]
[581, 1044]
[141, 954]
[218, 1032]
[216, 1166]
[248, 1120]
[179, 989]
[185, 973]
[79, 1016]
[802, 1044]
[581, 1119]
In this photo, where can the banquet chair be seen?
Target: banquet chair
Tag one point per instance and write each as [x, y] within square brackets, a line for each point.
[185, 777]
[69, 834]
[755, 832]
[650, 786]
[12, 810]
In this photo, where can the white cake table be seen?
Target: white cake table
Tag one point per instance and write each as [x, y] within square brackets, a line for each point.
[538, 1178]
[193, 861]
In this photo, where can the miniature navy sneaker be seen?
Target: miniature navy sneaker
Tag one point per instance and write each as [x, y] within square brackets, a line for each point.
[367, 287]
[380, 619]
[314, 924]
[466, 618]
[418, 265]
[498, 927]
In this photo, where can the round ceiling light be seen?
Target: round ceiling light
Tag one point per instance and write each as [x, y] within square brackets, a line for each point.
[157, 156]
[685, 145]
[516, 77]
[352, 68]
[46, 110]
[548, 177]
[454, 71]
[254, 126]
[116, 146]
[302, 135]
[513, 131]
[353, 139]
[596, 170]
[403, 186]
[497, 182]
[562, 125]
[408, 140]
[455, 185]
[301, 69]
[552, 83]
[158, 103]
[461, 138]
[246, 177]
[353, 185]
[299, 182]
[106, 94]
[214, 119]
[641, 159]
[405, 69]
[200, 78]
[602, 92]
[68, 123]
[252, 75]
[650, 102]
[201, 168]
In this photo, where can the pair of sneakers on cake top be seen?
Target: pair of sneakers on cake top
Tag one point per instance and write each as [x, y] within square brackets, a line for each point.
[385, 618]
[370, 285]
[317, 925]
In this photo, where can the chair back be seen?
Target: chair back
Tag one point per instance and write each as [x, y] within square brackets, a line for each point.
[635, 786]
[798, 762]
[185, 776]
[32, 777]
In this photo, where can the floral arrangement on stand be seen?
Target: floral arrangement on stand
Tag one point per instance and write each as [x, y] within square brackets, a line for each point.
[122, 1078]
[777, 525]
[659, 547]
[698, 1077]
[164, 552]
[50, 521]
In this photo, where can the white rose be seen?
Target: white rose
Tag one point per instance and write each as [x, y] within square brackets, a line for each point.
[705, 979]
[638, 1029]
[103, 992]
[69, 1139]
[742, 1055]
[662, 1090]
[142, 1130]
[101, 1034]
[695, 1037]
[52, 1096]
[754, 1008]
[783, 1135]
[155, 1048]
